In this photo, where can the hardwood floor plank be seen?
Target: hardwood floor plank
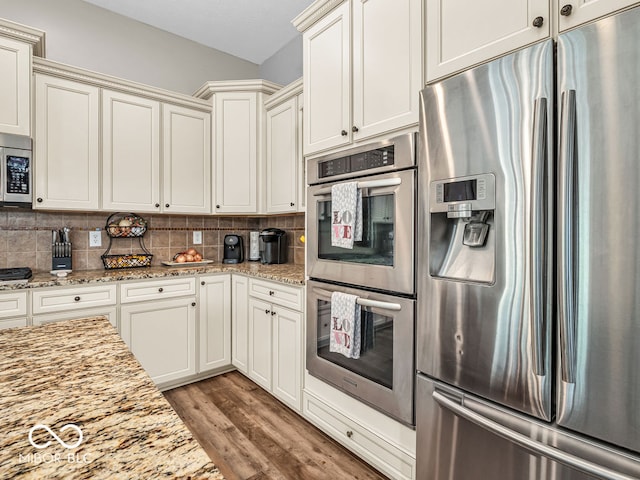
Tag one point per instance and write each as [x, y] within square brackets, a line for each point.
[250, 435]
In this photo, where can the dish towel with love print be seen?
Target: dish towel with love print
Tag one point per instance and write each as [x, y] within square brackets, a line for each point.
[345, 325]
[346, 214]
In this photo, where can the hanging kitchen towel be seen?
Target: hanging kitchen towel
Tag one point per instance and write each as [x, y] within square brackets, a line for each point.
[346, 214]
[345, 325]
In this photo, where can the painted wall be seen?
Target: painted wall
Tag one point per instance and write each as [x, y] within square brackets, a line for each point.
[285, 65]
[86, 36]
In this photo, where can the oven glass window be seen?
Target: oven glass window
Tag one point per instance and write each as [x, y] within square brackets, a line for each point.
[377, 245]
[376, 345]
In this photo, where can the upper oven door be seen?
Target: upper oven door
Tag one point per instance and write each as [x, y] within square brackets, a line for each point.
[384, 258]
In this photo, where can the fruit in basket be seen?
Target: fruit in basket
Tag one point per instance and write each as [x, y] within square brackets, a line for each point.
[125, 226]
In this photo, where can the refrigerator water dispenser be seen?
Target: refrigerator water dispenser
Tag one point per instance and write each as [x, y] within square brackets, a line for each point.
[462, 240]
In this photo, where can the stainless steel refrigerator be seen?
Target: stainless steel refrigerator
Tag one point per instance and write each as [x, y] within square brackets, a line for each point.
[528, 329]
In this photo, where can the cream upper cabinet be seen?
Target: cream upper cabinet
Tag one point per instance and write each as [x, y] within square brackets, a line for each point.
[302, 164]
[572, 13]
[362, 71]
[66, 154]
[327, 81]
[15, 87]
[130, 152]
[460, 34]
[237, 140]
[186, 161]
[283, 152]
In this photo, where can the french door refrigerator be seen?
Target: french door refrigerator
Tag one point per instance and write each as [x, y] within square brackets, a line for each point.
[528, 329]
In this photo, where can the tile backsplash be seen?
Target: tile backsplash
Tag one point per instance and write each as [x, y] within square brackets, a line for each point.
[25, 236]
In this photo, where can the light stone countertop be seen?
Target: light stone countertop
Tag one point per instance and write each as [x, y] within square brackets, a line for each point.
[81, 373]
[287, 273]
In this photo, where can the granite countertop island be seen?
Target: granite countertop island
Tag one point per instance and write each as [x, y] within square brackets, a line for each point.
[76, 404]
[287, 273]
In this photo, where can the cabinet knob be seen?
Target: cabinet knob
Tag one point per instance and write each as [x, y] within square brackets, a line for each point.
[344, 133]
[193, 304]
[272, 293]
[161, 290]
[39, 199]
[217, 206]
[77, 299]
[272, 313]
[166, 205]
[267, 311]
[349, 433]
[566, 10]
[292, 204]
[202, 283]
[354, 129]
[538, 22]
[157, 205]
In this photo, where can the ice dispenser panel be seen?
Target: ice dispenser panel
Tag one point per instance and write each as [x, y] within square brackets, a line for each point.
[462, 236]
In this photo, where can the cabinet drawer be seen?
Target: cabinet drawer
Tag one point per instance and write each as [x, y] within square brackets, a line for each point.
[76, 298]
[276, 293]
[157, 289]
[375, 450]
[13, 304]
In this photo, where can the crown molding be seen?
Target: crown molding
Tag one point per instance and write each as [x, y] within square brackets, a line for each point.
[314, 12]
[23, 33]
[285, 93]
[208, 89]
[61, 70]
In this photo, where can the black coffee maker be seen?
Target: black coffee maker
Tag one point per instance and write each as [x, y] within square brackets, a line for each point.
[233, 249]
[273, 246]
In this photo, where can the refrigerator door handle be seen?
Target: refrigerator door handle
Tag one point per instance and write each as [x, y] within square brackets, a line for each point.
[527, 443]
[566, 228]
[538, 232]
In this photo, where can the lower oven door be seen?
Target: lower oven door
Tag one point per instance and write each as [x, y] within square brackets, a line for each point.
[383, 376]
[384, 258]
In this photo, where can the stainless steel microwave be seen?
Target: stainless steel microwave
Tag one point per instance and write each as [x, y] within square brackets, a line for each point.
[16, 187]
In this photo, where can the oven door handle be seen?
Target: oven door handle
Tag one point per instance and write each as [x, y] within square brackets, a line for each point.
[386, 182]
[364, 302]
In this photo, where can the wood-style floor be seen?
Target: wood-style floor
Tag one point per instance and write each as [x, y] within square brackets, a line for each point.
[250, 435]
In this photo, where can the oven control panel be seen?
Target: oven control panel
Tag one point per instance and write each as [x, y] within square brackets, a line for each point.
[380, 157]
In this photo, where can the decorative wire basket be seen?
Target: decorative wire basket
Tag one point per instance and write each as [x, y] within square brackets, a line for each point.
[127, 260]
[126, 225]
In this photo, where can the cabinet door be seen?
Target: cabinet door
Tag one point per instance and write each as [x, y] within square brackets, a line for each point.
[215, 322]
[387, 68]
[130, 153]
[460, 33]
[236, 152]
[327, 81]
[66, 151]
[111, 313]
[161, 335]
[287, 357]
[240, 323]
[302, 164]
[186, 160]
[574, 13]
[282, 157]
[15, 87]
[260, 342]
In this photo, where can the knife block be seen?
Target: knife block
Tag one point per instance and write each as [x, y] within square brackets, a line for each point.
[61, 256]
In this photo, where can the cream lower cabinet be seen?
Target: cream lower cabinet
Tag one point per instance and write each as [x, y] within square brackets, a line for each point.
[13, 309]
[15, 87]
[214, 322]
[66, 150]
[574, 13]
[275, 340]
[460, 34]
[110, 313]
[158, 323]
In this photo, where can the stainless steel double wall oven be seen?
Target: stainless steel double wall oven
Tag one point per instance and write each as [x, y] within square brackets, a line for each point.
[379, 270]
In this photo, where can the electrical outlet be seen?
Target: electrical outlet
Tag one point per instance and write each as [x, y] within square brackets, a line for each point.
[197, 238]
[95, 239]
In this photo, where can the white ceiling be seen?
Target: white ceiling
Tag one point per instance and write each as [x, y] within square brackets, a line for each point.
[250, 29]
